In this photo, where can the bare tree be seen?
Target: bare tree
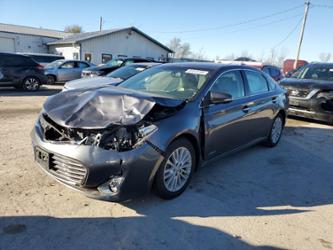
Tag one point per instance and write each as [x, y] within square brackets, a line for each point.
[73, 28]
[324, 57]
[200, 54]
[181, 49]
[276, 57]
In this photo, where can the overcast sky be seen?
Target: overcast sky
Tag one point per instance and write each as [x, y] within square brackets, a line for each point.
[218, 27]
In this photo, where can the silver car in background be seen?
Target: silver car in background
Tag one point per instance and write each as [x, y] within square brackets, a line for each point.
[113, 78]
[65, 70]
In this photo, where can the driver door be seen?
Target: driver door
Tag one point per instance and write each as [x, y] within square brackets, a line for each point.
[226, 123]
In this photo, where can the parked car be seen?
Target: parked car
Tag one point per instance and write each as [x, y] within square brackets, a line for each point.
[288, 66]
[154, 129]
[43, 59]
[21, 72]
[273, 71]
[65, 70]
[102, 70]
[311, 92]
[113, 78]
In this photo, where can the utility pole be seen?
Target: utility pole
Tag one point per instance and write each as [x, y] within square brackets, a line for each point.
[100, 23]
[307, 4]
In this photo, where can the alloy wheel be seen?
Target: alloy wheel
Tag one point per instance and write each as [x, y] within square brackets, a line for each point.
[276, 129]
[31, 84]
[177, 169]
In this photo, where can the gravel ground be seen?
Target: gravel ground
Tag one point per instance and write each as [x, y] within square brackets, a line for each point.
[259, 198]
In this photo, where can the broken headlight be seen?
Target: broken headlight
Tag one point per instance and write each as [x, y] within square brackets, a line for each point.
[126, 138]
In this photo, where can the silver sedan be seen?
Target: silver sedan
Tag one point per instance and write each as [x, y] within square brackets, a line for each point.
[65, 70]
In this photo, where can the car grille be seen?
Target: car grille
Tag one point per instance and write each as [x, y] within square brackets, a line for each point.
[302, 93]
[67, 170]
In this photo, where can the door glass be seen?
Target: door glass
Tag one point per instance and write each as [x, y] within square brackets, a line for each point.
[82, 65]
[230, 83]
[68, 65]
[257, 83]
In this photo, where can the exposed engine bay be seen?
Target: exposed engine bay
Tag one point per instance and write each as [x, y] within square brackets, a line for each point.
[115, 137]
[111, 118]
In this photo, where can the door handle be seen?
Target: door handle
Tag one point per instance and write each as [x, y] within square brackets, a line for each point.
[274, 99]
[245, 109]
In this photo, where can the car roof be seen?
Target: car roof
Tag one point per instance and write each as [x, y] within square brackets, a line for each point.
[38, 54]
[321, 64]
[144, 64]
[209, 66]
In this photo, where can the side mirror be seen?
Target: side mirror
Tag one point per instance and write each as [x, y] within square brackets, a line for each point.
[219, 97]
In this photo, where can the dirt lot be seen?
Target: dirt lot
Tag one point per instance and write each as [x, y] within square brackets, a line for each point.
[265, 198]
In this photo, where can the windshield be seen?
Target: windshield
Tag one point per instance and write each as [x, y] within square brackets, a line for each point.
[54, 64]
[126, 72]
[317, 72]
[175, 82]
[115, 62]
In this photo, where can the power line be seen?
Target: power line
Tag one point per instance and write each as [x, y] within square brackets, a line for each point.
[288, 35]
[235, 24]
[323, 6]
[251, 28]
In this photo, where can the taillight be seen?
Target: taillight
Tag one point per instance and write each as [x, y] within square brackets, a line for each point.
[39, 66]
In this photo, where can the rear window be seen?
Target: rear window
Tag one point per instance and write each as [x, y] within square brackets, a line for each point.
[45, 59]
[17, 60]
[256, 82]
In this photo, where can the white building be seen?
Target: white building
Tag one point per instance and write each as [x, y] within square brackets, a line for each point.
[17, 38]
[100, 46]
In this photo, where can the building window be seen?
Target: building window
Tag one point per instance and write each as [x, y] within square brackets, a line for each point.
[122, 56]
[87, 57]
[106, 58]
[76, 56]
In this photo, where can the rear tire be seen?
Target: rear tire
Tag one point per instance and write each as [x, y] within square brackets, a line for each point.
[175, 172]
[51, 80]
[31, 83]
[276, 131]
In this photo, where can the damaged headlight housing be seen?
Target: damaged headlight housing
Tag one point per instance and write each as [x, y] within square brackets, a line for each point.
[126, 138]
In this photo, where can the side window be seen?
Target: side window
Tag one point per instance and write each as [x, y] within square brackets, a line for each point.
[230, 83]
[82, 65]
[272, 84]
[129, 62]
[256, 82]
[68, 65]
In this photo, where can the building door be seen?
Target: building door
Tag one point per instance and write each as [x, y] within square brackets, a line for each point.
[7, 44]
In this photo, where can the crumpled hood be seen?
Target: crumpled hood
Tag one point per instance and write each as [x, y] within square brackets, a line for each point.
[306, 83]
[91, 82]
[100, 108]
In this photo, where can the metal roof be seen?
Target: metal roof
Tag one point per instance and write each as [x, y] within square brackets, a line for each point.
[12, 28]
[90, 35]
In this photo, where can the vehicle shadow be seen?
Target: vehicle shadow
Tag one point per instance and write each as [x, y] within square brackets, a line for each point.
[45, 90]
[289, 179]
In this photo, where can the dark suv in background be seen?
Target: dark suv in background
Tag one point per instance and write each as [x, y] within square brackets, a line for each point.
[311, 92]
[110, 66]
[21, 72]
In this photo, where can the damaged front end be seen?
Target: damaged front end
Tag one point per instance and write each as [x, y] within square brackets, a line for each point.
[115, 137]
[98, 141]
[110, 118]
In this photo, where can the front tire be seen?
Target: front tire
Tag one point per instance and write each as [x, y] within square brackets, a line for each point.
[175, 172]
[276, 131]
[31, 83]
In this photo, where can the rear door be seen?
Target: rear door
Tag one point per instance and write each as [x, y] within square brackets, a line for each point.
[12, 69]
[226, 124]
[68, 71]
[263, 101]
